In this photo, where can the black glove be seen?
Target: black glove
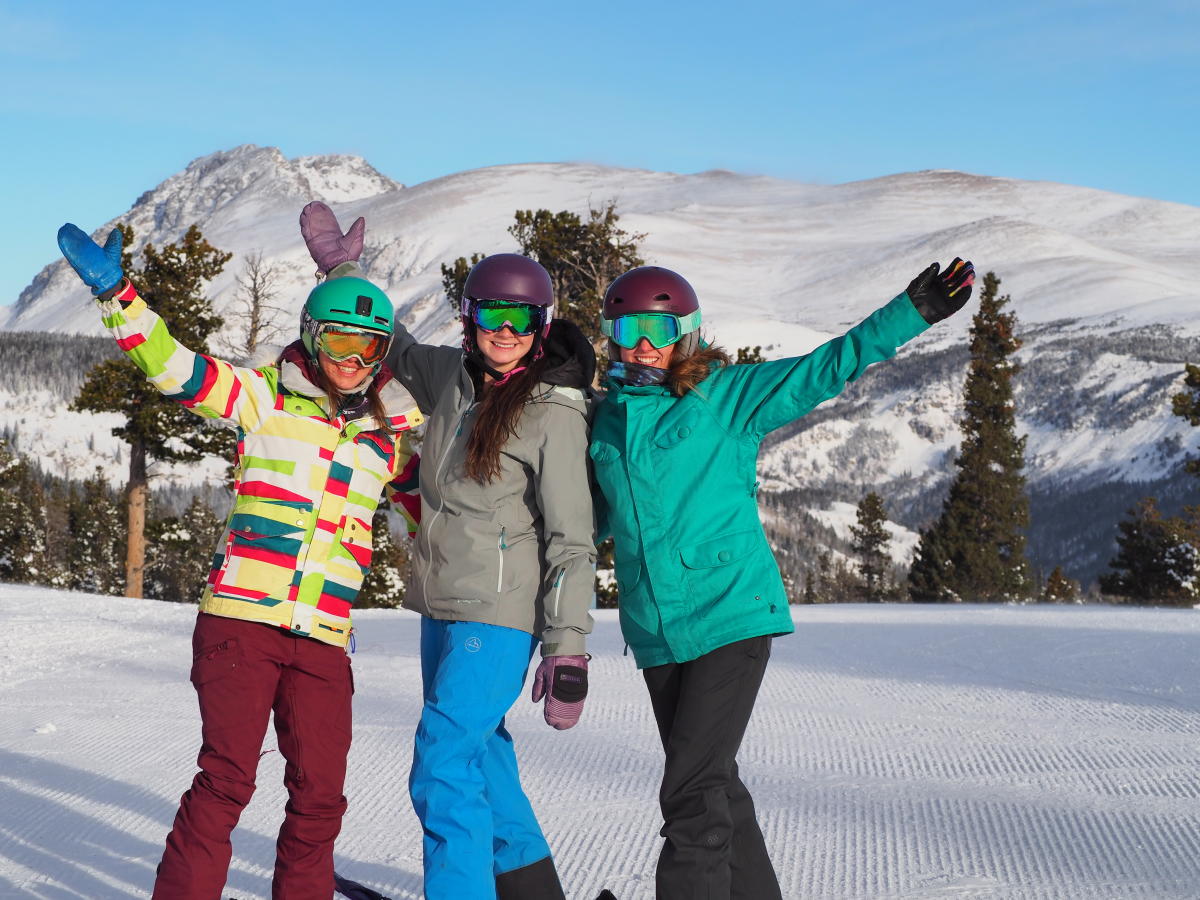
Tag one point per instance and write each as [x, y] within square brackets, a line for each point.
[939, 296]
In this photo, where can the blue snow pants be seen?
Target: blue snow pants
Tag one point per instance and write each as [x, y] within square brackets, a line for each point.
[464, 784]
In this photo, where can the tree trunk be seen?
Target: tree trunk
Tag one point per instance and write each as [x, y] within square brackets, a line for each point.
[135, 549]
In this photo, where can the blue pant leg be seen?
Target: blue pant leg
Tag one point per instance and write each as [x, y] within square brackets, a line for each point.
[517, 838]
[473, 674]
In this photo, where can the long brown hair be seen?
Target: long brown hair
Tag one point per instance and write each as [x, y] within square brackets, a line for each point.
[496, 420]
[685, 372]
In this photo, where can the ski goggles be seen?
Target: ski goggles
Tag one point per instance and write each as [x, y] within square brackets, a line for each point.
[660, 329]
[521, 318]
[343, 342]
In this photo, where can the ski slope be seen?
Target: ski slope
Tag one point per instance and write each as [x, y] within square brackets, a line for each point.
[896, 752]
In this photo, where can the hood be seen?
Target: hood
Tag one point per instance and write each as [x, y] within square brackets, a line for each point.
[570, 357]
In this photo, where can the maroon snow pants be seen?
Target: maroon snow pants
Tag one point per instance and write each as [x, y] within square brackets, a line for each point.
[242, 672]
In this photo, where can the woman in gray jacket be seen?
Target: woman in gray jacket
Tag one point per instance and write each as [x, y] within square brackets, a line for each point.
[503, 558]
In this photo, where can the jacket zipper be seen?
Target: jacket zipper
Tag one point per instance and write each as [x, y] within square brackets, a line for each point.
[437, 474]
[558, 583]
[500, 548]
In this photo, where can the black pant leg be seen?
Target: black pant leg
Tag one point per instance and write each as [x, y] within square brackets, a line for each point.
[714, 847]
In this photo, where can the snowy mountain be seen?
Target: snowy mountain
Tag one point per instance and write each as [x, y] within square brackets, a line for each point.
[1104, 286]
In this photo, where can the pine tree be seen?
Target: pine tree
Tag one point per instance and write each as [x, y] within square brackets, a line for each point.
[454, 277]
[606, 576]
[1059, 588]
[181, 553]
[749, 355]
[96, 538]
[172, 282]
[385, 584]
[1157, 559]
[870, 545]
[25, 555]
[976, 549]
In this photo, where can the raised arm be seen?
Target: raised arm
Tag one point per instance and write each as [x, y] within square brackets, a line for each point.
[208, 386]
[424, 369]
[757, 399]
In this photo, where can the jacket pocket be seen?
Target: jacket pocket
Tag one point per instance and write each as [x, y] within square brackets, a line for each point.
[675, 432]
[356, 541]
[262, 549]
[709, 567]
[216, 661]
[603, 453]
[721, 551]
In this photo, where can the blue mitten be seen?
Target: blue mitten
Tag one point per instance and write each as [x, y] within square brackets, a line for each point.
[98, 267]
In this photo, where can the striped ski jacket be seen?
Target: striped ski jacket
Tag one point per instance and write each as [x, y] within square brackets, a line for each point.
[297, 543]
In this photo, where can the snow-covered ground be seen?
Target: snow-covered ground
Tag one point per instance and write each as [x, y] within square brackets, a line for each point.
[896, 752]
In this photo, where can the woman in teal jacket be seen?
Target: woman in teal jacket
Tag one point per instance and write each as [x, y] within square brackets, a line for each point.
[674, 446]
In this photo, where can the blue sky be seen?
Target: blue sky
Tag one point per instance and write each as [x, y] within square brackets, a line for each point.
[102, 102]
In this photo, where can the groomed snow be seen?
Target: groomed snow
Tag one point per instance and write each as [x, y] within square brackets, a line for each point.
[896, 752]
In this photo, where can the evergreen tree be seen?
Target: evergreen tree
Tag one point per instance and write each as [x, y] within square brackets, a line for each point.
[606, 576]
[870, 545]
[582, 256]
[385, 584]
[1157, 559]
[976, 549]
[749, 355]
[1059, 588]
[172, 282]
[25, 555]
[454, 277]
[95, 539]
[180, 553]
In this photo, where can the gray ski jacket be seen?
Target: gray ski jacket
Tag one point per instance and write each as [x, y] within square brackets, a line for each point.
[518, 551]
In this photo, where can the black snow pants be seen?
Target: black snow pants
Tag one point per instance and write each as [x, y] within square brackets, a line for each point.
[714, 848]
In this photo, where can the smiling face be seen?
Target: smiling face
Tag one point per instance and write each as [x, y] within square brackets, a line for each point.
[347, 375]
[502, 349]
[644, 354]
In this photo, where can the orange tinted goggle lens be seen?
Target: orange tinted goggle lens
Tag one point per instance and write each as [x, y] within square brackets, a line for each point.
[341, 345]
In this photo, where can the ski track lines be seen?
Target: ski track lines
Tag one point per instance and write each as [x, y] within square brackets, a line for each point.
[896, 753]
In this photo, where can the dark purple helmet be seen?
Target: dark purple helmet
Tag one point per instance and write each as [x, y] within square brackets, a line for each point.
[649, 289]
[508, 276]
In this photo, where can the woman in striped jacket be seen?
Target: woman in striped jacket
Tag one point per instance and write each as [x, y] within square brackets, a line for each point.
[321, 435]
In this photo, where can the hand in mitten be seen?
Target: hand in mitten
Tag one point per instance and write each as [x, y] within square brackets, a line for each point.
[937, 295]
[324, 239]
[562, 680]
[98, 267]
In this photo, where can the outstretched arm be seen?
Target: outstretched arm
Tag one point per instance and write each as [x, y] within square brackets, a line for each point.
[757, 399]
[210, 387]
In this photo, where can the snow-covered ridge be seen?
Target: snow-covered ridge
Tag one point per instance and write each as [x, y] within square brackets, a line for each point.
[1104, 287]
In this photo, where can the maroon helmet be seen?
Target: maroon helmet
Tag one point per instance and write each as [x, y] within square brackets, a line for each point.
[508, 276]
[649, 289]
[512, 277]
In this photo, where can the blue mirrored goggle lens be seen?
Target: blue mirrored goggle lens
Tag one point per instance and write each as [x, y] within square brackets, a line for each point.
[660, 329]
[520, 317]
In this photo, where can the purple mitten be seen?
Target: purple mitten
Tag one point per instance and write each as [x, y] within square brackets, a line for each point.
[562, 680]
[324, 239]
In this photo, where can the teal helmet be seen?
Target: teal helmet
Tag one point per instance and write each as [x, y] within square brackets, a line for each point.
[352, 303]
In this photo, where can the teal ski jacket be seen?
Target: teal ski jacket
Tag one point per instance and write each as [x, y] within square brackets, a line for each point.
[677, 477]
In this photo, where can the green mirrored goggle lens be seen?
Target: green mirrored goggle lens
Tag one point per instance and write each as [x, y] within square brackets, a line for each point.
[522, 318]
[660, 329]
